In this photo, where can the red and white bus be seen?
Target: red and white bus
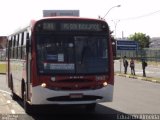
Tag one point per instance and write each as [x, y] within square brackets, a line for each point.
[61, 60]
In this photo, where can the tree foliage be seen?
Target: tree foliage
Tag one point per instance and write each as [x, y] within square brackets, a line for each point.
[142, 39]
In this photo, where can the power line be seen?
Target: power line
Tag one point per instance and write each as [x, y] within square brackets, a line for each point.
[141, 16]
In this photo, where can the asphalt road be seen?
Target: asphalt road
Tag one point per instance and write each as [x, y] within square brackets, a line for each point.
[131, 96]
[135, 96]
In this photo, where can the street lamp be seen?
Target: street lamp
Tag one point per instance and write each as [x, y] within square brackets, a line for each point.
[115, 26]
[111, 9]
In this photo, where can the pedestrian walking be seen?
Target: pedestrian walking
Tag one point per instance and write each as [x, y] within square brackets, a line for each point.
[144, 65]
[132, 66]
[125, 64]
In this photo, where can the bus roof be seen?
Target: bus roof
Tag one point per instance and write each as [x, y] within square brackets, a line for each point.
[33, 22]
[64, 17]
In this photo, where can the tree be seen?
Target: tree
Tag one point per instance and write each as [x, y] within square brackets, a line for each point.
[141, 38]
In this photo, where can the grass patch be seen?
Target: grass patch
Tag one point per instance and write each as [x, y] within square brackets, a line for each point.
[2, 68]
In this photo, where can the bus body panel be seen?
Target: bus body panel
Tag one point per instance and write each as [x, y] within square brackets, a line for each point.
[40, 95]
[18, 73]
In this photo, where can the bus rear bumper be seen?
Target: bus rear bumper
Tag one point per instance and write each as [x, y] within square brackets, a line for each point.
[46, 96]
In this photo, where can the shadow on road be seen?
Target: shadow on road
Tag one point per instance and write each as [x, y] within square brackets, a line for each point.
[70, 112]
[78, 112]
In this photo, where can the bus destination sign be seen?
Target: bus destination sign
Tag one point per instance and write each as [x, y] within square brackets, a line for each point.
[70, 26]
[81, 26]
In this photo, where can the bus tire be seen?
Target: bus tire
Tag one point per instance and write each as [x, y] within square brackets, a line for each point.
[26, 105]
[9, 81]
[14, 96]
[22, 89]
[91, 107]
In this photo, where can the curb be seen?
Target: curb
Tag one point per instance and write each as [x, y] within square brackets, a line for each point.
[138, 77]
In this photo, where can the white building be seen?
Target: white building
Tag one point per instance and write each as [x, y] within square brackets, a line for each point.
[49, 13]
[155, 42]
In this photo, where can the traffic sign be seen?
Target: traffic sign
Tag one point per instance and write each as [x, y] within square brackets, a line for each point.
[126, 45]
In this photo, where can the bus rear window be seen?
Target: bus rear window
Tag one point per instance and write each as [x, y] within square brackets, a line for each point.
[72, 54]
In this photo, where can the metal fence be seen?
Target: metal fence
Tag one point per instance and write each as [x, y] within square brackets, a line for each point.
[2, 54]
[147, 53]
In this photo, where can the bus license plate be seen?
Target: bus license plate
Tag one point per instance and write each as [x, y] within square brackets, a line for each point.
[76, 96]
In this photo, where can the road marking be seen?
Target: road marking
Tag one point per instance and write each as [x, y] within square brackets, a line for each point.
[128, 76]
[8, 101]
[5, 92]
[13, 111]
[154, 80]
[140, 72]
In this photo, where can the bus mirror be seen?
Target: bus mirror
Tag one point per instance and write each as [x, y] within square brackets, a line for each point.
[114, 48]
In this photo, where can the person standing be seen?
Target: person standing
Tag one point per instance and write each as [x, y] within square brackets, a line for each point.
[125, 64]
[144, 65]
[132, 66]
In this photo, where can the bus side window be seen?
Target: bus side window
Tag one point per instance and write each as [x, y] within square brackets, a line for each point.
[9, 46]
[19, 46]
[22, 39]
[24, 45]
[16, 47]
[12, 47]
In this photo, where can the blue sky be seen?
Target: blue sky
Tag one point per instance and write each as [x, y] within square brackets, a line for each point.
[127, 18]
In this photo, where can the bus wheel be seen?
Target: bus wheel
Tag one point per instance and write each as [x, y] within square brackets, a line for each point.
[91, 107]
[14, 96]
[26, 105]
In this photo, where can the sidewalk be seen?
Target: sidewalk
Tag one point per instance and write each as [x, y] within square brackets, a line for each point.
[152, 71]
[155, 80]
